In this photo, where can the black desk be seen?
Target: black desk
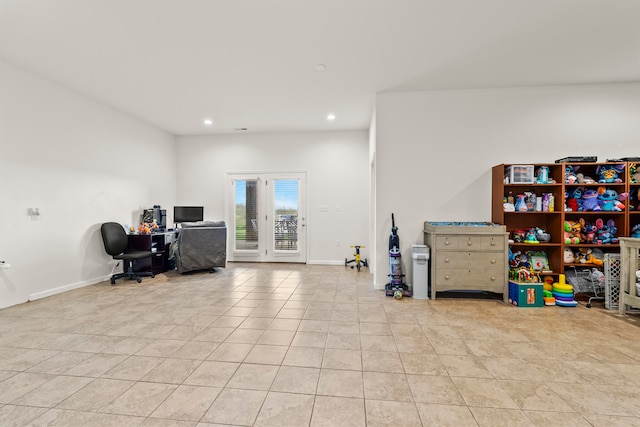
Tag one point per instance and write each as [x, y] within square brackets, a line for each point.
[159, 261]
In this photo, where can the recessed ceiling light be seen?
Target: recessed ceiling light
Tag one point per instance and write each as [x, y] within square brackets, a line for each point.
[331, 117]
[208, 122]
[320, 67]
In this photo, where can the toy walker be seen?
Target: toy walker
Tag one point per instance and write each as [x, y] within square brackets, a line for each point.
[396, 287]
[357, 260]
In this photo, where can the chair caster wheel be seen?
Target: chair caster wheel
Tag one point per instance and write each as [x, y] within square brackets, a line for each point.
[113, 282]
[138, 280]
[153, 275]
[588, 305]
[346, 263]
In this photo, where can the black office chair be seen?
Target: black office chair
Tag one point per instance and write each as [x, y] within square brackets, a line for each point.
[115, 242]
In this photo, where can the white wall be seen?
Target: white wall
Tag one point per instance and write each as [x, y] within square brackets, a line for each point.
[337, 169]
[435, 150]
[81, 164]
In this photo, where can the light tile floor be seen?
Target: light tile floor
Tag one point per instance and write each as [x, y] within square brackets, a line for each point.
[299, 345]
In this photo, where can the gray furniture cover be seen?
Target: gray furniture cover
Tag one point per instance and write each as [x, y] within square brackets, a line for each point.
[201, 246]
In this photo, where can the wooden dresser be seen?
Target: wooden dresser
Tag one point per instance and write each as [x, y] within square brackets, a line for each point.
[467, 256]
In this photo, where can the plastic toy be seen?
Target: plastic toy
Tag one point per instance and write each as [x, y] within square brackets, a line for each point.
[548, 298]
[357, 260]
[563, 293]
[531, 237]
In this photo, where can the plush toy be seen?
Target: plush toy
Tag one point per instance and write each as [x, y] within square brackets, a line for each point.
[597, 257]
[635, 231]
[609, 200]
[518, 235]
[518, 260]
[590, 201]
[569, 257]
[585, 179]
[571, 232]
[570, 174]
[606, 233]
[584, 255]
[634, 173]
[590, 256]
[542, 235]
[572, 204]
[573, 199]
[589, 230]
[633, 198]
[609, 173]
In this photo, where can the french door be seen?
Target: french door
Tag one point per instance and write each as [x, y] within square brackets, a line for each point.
[267, 217]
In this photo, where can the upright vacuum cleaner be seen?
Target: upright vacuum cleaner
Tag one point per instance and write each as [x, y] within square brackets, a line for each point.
[396, 287]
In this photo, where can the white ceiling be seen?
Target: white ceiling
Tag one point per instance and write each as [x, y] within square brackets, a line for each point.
[251, 63]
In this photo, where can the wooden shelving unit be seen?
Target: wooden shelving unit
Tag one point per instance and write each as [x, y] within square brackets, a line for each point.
[553, 221]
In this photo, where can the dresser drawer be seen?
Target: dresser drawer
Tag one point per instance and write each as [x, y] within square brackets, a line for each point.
[466, 279]
[470, 260]
[470, 243]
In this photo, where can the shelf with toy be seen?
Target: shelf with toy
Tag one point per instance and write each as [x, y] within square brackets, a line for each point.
[583, 228]
[594, 173]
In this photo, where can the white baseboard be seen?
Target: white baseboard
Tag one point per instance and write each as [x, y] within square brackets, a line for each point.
[69, 287]
[324, 262]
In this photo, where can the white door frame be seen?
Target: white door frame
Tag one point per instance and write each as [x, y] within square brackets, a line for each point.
[265, 250]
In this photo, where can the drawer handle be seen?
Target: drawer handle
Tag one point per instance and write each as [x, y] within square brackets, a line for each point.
[493, 261]
[446, 242]
[446, 277]
[446, 260]
[493, 278]
[493, 243]
[469, 243]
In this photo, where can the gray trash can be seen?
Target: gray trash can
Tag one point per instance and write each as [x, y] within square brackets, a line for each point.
[420, 258]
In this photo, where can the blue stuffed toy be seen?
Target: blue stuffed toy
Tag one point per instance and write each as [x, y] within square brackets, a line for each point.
[607, 233]
[609, 200]
[635, 231]
[609, 173]
[570, 174]
[590, 201]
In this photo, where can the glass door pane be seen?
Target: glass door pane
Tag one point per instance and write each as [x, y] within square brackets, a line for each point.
[285, 214]
[246, 214]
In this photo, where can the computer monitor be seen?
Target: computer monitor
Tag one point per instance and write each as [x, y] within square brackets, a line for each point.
[188, 214]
